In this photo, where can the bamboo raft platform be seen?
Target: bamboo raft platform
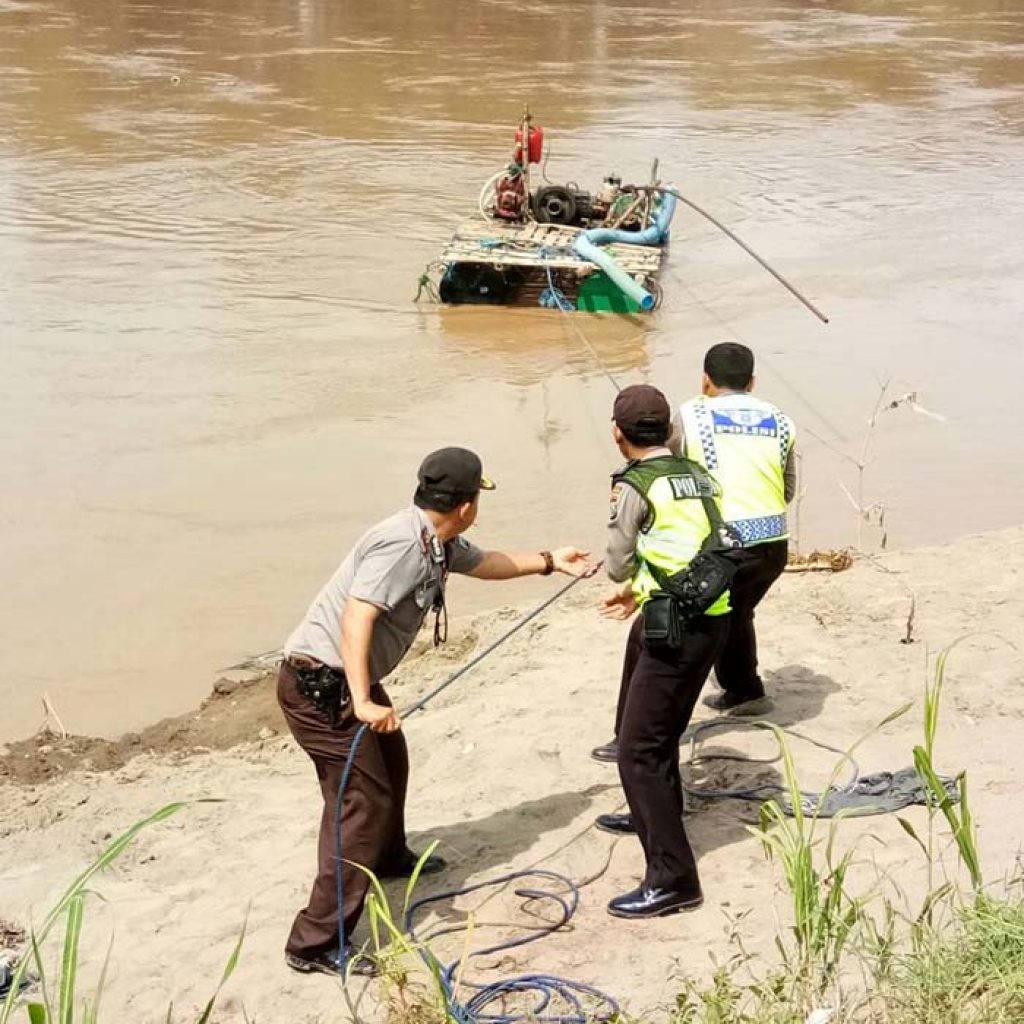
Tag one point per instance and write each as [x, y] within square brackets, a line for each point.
[527, 258]
[540, 245]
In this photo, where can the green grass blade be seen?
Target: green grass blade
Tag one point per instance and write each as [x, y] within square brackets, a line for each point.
[923, 764]
[959, 825]
[892, 717]
[384, 914]
[912, 832]
[229, 969]
[415, 876]
[69, 959]
[109, 855]
[92, 1012]
[105, 859]
[931, 900]
[19, 973]
[965, 838]
[37, 1013]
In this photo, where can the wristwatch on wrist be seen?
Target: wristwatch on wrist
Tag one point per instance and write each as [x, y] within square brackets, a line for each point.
[549, 563]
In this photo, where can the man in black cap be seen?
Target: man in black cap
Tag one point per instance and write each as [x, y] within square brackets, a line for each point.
[356, 631]
[663, 512]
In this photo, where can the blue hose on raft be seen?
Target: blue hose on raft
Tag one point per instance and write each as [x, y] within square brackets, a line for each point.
[587, 247]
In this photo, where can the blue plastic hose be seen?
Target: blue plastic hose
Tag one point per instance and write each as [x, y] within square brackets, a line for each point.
[587, 247]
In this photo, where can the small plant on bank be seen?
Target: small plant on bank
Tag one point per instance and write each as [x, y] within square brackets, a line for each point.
[969, 970]
[411, 974]
[61, 1007]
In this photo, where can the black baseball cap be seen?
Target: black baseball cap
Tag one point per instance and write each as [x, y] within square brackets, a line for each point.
[641, 407]
[449, 477]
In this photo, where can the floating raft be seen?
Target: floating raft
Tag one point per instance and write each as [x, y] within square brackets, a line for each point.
[516, 265]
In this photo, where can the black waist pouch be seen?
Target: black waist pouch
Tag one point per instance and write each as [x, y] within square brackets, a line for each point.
[684, 597]
[326, 687]
[663, 624]
[703, 581]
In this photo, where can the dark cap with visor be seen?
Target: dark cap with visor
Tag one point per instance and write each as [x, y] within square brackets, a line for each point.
[450, 477]
[641, 408]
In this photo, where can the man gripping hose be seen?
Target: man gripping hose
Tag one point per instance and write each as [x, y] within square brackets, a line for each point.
[356, 631]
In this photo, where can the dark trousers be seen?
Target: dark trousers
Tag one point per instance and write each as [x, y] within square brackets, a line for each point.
[656, 700]
[372, 812]
[759, 567]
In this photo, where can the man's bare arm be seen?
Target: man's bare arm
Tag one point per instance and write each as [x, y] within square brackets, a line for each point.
[789, 475]
[501, 565]
[356, 636]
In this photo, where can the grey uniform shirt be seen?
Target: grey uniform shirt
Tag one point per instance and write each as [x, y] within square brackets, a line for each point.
[628, 516]
[392, 567]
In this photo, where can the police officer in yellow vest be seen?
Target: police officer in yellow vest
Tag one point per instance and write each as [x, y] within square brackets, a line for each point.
[661, 518]
[746, 443]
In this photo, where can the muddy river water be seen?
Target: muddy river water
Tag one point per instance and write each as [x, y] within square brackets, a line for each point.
[213, 216]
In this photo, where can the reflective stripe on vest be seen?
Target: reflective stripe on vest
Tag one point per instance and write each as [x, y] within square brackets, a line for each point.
[745, 443]
[678, 523]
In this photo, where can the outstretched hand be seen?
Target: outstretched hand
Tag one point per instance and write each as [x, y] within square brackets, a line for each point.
[573, 562]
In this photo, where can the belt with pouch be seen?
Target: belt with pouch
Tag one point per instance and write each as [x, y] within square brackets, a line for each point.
[325, 686]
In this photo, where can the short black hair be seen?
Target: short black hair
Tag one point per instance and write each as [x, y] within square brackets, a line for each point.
[729, 365]
[437, 501]
[646, 434]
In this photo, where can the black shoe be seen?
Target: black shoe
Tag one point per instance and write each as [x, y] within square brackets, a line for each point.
[616, 824]
[407, 865]
[329, 962]
[739, 704]
[647, 902]
[607, 752]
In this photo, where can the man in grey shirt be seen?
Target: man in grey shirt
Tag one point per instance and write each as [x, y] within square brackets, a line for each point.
[358, 628]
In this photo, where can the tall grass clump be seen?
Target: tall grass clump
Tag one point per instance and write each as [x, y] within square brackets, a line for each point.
[972, 972]
[415, 990]
[58, 1002]
[850, 958]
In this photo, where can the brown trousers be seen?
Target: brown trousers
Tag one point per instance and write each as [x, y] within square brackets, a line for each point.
[372, 812]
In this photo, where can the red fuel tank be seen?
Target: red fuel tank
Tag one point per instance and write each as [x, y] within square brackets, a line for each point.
[535, 147]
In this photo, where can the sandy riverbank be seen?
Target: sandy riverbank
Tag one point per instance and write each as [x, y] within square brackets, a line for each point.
[502, 779]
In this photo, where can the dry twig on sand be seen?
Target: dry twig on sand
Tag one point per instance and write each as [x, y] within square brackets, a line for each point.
[51, 715]
[832, 560]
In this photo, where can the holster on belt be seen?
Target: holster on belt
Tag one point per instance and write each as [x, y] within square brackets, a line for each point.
[326, 687]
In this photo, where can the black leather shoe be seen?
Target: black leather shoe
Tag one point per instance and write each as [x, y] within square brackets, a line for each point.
[647, 902]
[736, 704]
[329, 962]
[616, 824]
[405, 867]
[606, 752]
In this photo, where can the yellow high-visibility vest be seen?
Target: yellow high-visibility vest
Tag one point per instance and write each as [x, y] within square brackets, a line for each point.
[744, 442]
[677, 524]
